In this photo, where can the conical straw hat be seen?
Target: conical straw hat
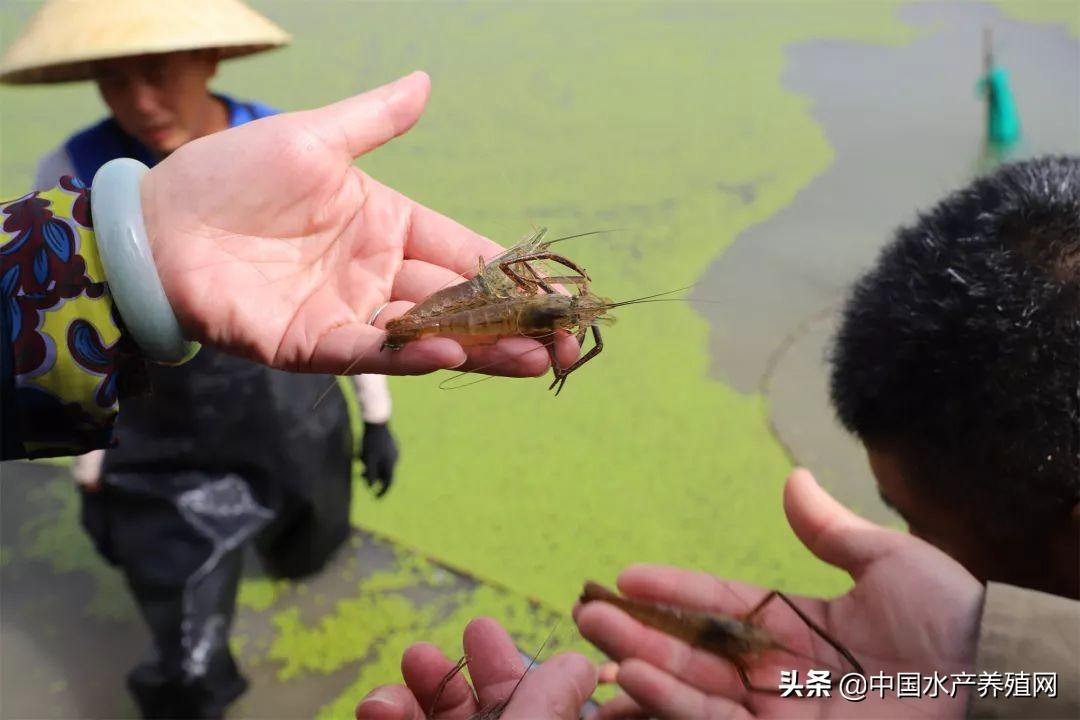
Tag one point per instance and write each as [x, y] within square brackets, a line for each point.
[65, 36]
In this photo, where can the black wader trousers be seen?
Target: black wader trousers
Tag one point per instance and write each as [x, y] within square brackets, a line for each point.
[221, 453]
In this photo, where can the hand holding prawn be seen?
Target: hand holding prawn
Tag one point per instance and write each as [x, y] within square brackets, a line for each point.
[912, 609]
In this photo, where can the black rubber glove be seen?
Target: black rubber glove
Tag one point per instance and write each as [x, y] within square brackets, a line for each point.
[379, 453]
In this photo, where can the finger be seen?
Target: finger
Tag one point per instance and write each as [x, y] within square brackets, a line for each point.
[389, 702]
[416, 280]
[607, 673]
[556, 689]
[510, 357]
[387, 478]
[425, 668]
[662, 695]
[831, 531]
[620, 707]
[519, 357]
[621, 637]
[357, 348]
[494, 662]
[364, 122]
[436, 239]
[567, 349]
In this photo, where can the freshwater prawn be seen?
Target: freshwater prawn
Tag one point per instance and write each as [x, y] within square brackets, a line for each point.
[735, 638]
[539, 317]
[506, 276]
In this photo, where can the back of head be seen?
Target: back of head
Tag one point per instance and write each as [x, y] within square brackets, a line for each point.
[961, 349]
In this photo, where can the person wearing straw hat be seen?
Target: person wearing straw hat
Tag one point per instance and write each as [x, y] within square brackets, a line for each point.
[268, 450]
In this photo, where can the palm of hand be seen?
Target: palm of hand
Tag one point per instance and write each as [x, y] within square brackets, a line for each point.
[297, 250]
[892, 623]
[303, 240]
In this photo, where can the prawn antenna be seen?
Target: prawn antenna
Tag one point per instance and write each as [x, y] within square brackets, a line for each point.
[496, 709]
[322, 396]
[331, 386]
[580, 235]
[647, 298]
[551, 634]
[449, 384]
[458, 667]
[446, 384]
[532, 662]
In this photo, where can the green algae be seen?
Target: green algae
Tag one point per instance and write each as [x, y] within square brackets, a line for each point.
[633, 127]
[370, 628]
[355, 627]
[643, 456]
[410, 570]
[358, 625]
[528, 624]
[1064, 12]
[260, 593]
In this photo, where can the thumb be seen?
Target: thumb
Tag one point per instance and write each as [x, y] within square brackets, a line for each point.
[364, 122]
[831, 531]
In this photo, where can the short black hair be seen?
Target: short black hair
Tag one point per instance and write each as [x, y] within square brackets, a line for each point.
[961, 347]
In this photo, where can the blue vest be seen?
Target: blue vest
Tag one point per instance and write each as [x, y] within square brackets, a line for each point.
[91, 148]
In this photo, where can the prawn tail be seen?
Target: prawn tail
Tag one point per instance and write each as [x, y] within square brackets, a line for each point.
[594, 591]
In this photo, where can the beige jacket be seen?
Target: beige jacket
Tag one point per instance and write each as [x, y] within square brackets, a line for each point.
[1025, 631]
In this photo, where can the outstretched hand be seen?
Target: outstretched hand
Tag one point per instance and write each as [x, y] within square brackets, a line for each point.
[912, 609]
[271, 245]
[554, 691]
